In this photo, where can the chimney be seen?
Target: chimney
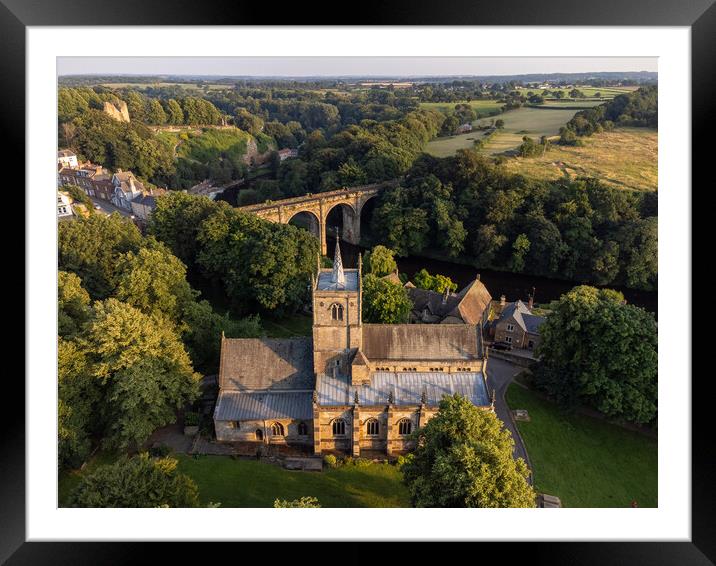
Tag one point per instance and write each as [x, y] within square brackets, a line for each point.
[445, 296]
[503, 299]
[477, 278]
[531, 302]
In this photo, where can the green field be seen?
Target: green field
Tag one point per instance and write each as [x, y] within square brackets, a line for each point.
[584, 461]
[482, 106]
[249, 483]
[589, 91]
[624, 158]
[524, 121]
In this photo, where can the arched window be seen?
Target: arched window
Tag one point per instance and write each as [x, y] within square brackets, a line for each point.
[372, 427]
[302, 429]
[259, 434]
[339, 427]
[404, 426]
[277, 429]
[337, 311]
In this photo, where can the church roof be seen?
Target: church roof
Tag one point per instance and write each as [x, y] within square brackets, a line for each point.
[263, 363]
[421, 341]
[325, 281]
[260, 405]
[407, 388]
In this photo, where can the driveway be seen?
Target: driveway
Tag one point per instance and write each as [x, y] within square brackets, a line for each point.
[499, 376]
[109, 208]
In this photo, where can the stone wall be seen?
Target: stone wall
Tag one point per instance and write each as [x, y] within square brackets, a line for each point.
[228, 431]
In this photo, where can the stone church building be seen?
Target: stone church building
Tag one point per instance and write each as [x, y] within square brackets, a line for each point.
[353, 387]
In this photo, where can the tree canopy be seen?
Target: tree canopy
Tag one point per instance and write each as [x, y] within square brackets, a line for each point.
[380, 261]
[464, 459]
[598, 351]
[384, 302]
[140, 481]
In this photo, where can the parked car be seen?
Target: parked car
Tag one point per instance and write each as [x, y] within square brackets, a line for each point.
[501, 346]
[97, 207]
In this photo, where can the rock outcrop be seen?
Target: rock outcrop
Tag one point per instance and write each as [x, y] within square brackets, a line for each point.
[117, 111]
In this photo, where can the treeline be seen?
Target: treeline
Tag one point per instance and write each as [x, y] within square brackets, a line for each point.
[188, 110]
[131, 332]
[639, 108]
[258, 265]
[465, 206]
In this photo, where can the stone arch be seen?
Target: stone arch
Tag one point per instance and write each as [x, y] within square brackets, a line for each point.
[350, 221]
[313, 224]
[366, 214]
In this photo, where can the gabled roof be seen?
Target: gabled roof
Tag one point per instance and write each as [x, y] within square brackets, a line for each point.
[260, 405]
[266, 363]
[522, 316]
[468, 305]
[421, 342]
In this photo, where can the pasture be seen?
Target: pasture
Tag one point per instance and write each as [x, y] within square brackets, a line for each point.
[625, 158]
[524, 121]
[607, 92]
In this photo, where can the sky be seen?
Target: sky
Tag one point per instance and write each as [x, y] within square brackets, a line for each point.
[348, 66]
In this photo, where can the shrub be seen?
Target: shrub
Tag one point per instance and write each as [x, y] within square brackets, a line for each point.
[362, 463]
[160, 451]
[402, 460]
[310, 502]
[330, 460]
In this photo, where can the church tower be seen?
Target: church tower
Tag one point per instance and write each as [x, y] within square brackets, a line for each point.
[336, 317]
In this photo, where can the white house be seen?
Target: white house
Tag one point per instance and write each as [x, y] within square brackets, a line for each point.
[126, 189]
[67, 158]
[64, 206]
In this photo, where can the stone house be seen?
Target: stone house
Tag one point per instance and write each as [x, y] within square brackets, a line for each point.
[517, 325]
[143, 206]
[83, 176]
[287, 153]
[126, 189]
[469, 306]
[353, 388]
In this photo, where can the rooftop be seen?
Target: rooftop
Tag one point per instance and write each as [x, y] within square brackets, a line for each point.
[421, 342]
[407, 388]
[260, 405]
[326, 283]
[523, 317]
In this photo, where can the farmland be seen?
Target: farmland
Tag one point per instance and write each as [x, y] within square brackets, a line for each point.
[486, 107]
[525, 121]
[624, 158]
[588, 91]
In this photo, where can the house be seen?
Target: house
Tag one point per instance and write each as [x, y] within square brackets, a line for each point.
[83, 176]
[66, 158]
[463, 128]
[469, 306]
[352, 388]
[143, 206]
[126, 188]
[287, 153]
[64, 207]
[517, 325]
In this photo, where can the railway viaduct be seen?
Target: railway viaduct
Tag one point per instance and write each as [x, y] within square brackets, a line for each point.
[318, 206]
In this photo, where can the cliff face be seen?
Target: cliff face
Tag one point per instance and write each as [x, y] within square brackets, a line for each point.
[117, 111]
[252, 156]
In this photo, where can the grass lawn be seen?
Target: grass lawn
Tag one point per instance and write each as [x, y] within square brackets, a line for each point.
[249, 483]
[584, 461]
[624, 158]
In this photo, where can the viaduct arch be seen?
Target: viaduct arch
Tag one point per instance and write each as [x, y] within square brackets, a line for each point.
[351, 200]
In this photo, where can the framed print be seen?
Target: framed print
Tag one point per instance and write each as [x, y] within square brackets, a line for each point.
[396, 280]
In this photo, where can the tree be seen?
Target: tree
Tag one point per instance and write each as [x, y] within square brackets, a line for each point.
[499, 123]
[176, 221]
[520, 247]
[385, 302]
[144, 370]
[90, 247]
[140, 481]
[72, 304]
[464, 459]
[437, 282]
[78, 398]
[305, 502]
[78, 195]
[380, 261]
[154, 281]
[597, 350]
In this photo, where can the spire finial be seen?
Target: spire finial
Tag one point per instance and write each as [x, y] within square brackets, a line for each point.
[338, 277]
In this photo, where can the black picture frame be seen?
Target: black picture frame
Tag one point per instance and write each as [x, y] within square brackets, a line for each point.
[699, 15]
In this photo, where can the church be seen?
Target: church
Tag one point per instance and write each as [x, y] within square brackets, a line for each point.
[352, 388]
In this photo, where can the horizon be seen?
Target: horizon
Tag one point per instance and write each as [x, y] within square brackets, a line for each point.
[361, 67]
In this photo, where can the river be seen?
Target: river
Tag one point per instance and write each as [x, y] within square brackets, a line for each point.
[513, 285]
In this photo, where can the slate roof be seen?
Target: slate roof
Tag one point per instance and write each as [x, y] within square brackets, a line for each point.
[468, 305]
[266, 363]
[262, 405]
[407, 388]
[325, 282]
[522, 316]
[421, 342]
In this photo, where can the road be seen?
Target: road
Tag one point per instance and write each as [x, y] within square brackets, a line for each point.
[109, 208]
[499, 376]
